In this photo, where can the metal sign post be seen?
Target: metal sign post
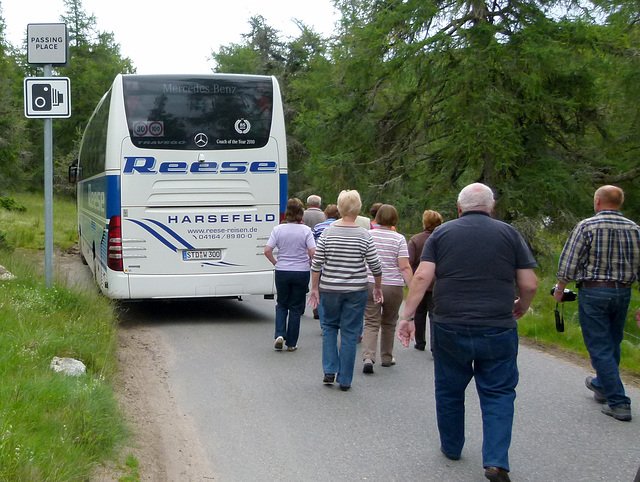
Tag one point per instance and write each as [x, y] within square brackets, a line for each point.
[48, 194]
[46, 98]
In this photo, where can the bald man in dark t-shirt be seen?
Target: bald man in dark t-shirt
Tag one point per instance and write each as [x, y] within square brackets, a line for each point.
[477, 261]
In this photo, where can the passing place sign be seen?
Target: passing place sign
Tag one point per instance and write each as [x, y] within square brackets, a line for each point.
[47, 43]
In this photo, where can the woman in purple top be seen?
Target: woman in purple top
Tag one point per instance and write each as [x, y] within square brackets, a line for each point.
[295, 245]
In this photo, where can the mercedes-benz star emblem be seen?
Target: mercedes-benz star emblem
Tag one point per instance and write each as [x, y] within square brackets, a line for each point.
[201, 139]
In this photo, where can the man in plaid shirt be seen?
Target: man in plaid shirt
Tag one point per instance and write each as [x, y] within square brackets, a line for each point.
[602, 255]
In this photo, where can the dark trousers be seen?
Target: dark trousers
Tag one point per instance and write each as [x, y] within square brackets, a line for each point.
[292, 288]
[420, 319]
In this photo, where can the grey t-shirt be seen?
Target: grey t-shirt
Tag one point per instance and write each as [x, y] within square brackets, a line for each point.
[476, 259]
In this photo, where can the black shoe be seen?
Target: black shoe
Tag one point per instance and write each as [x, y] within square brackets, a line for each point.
[598, 394]
[619, 412]
[368, 366]
[496, 474]
[344, 388]
[450, 457]
[420, 346]
[329, 378]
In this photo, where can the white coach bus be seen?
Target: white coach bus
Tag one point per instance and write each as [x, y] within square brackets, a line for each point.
[180, 180]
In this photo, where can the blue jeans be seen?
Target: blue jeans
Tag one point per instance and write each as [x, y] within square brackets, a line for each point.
[292, 288]
[602, 313]
[342, 312]
[461, 352]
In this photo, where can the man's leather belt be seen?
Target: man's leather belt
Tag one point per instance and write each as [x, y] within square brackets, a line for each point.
[604, 284]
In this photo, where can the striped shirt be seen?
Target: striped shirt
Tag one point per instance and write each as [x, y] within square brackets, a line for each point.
[318, 228]
[342, 254]
[390, 246]
[605, 247]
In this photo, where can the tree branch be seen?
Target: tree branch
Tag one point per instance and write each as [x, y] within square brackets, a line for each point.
[603, 178]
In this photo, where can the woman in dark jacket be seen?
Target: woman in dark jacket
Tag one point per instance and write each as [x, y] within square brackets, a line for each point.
[430, 221]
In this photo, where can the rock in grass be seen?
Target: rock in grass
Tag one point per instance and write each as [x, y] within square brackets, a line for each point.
[68, 366]
[5, 274]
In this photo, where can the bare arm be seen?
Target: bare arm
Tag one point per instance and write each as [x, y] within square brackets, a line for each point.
[405, 269]
[314, 294]
[377, 289]
[422, 279]
[559, 292]
[268, 252]
[527, 282]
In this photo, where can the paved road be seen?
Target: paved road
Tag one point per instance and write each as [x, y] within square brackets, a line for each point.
[265, 415]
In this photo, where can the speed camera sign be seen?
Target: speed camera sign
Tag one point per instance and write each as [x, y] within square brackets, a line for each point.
[47, 97]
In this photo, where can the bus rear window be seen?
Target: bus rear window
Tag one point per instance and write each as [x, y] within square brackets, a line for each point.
[179, 112]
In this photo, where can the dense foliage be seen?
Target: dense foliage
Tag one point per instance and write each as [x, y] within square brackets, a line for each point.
[95, 61]
[410, 100]
[414, 99]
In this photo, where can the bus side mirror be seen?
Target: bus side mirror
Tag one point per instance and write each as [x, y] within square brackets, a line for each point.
[75, 173]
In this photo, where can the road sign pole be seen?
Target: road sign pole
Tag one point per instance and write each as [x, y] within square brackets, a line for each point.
[48, 193]
[47, 45]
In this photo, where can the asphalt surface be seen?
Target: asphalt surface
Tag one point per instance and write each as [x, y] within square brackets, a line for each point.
[265, 415]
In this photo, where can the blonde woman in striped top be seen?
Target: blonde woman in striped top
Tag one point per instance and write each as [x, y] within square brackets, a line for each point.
[343, 252]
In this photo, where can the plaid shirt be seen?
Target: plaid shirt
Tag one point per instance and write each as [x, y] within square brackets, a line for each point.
[605, 247]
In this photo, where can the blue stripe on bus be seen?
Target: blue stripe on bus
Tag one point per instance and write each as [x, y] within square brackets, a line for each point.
[114, 201]
[155, 233]
[171, 232]
[284, 192]
[222, 263]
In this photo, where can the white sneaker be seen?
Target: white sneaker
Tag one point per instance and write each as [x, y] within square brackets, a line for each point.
[279, 343]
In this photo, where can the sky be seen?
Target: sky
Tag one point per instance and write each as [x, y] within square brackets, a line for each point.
[177, 36]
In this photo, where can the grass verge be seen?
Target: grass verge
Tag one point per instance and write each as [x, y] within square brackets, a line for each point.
[52, 426]
[22, 222]
[539, 324]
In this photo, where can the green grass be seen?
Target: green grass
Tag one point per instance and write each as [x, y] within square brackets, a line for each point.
[539, 324]
[23, 222]
[52, 426]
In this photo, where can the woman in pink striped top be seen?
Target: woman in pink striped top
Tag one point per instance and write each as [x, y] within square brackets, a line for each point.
[381, 318]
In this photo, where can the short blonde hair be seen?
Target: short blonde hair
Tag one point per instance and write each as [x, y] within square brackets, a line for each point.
[431, 219]
[349, 203]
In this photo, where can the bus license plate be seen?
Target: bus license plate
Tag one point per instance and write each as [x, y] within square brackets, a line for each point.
[201, 255]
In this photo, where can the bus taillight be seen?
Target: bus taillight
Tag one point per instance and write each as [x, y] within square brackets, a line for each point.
[114, 245]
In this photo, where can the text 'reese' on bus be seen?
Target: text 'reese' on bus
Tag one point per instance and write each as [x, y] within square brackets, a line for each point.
[180, 180]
